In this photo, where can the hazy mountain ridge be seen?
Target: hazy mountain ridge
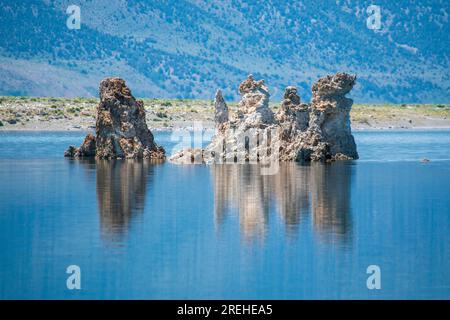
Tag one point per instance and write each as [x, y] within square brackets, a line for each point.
[187, 49]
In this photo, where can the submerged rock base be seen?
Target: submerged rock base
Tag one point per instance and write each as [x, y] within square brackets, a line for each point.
[121, 129]
[319, 131]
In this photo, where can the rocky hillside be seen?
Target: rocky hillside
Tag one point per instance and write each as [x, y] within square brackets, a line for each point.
[189, 48]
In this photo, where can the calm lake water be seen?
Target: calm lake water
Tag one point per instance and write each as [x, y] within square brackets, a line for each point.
[140, 230]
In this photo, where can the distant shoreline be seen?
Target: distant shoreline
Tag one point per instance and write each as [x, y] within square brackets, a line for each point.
[78, 114]
[187, 129]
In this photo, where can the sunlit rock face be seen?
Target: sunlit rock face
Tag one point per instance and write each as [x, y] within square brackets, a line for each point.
[244, 137]
[121, 129]
[329, 136]
[331, 114]
[319, 131]
[253, 109]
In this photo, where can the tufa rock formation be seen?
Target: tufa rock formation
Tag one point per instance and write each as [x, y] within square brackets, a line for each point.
[319, 131]
[121, 130]
[87, 148]
[293, 115]
[242, 138]
[331, 114]
[328, 136]
[254, 105]
[221, 109]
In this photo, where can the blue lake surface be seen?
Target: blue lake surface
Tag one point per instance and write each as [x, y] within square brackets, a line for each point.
[159, 231]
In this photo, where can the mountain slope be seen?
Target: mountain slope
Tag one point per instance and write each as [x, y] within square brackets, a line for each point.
[189, 48]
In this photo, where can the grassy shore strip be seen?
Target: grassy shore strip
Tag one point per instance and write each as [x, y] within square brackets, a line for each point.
[79, 113]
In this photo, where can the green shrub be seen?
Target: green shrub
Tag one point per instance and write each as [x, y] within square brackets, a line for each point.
[74, 109]
[364, 120]
[161, 114]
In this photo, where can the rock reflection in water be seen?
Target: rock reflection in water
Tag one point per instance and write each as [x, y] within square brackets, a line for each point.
[330, 197]
[121, 189]
[290, 189]
[243, 188]
[316, 193]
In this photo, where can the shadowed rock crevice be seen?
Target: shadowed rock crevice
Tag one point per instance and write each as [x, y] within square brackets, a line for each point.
[319, 131]
[121, 129]
[220, 109]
